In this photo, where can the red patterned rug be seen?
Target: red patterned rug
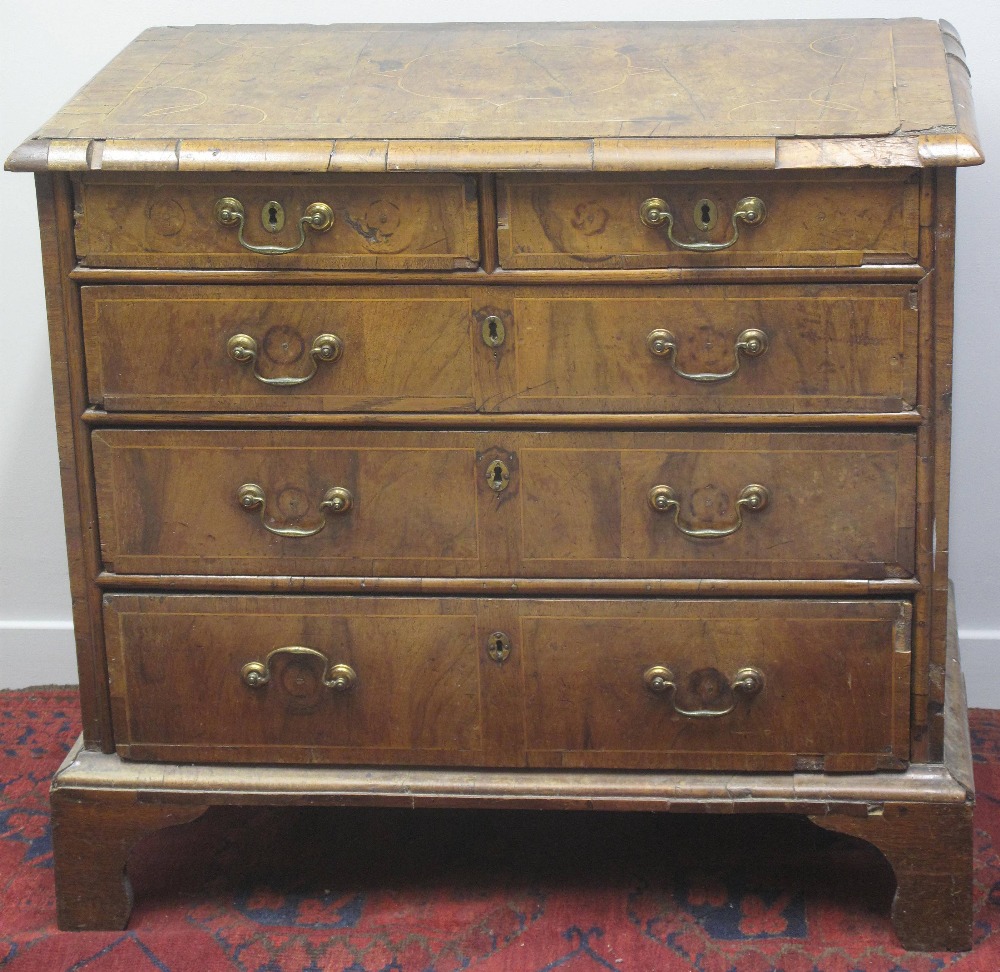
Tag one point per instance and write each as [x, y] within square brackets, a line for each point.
[316, 890]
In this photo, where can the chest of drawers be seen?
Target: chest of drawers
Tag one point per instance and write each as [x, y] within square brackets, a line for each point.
[527, 415]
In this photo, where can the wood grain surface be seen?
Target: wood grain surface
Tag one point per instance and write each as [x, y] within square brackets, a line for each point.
[404, 222]
[576, 504]
[496, 172]
[416, 699]
[831, 349]
[570, 693]
[812, 220]
[568, 96]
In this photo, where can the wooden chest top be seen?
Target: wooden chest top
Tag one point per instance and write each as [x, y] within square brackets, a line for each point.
[572, 97]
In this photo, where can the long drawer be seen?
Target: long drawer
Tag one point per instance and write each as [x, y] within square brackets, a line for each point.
[506, 503]
[801, 348]
[759, 219]
[398, 222]
[727, 685]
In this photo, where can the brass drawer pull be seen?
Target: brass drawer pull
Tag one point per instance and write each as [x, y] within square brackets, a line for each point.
[656, 212]
[326, 347]
[230, 212]
[748, 683]
[340, 679]
[336, 499]
[750, 342]
[753, 498]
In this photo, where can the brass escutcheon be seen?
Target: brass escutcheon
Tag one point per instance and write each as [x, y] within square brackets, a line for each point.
[493, 331]
[497, 475]
[706, 215]
[272, 216]
[498, 646]
[747, 682]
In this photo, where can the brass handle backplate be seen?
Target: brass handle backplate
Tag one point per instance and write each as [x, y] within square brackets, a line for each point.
[230, 212]
[336, 499]
[752, 498]
[326, 347]
[337, 677]
[656, 212]
[751, 342]
[747, 683]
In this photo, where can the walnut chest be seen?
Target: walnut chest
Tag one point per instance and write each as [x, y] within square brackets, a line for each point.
[514, 415]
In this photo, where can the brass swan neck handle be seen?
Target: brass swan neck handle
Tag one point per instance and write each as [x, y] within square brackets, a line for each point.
[751, 343]
[231, 212]
[336, 499]
[747, 683]
[340, 678]
[655, 212]
[325, 348]
[753, 498]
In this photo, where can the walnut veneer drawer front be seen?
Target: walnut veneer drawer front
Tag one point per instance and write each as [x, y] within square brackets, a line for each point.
[507, 503]
[723, 684]
[351, 222]
[409, 670]
[801, 348]
[794, 219]
[643, 684]
[283, 348]
[833, 348]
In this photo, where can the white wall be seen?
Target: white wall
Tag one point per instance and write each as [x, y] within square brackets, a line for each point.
[50, 48]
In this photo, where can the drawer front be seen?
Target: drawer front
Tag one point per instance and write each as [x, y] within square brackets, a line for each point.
[172, 502]
[410, 669]
[398, 223]
[690, 505]
[507, 503]
[802, 348]
[807, 220]
[378, 680]
[833, 348]
[768, 685]
[275, 349]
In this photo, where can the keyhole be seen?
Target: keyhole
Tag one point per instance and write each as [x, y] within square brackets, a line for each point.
[498, 646]
[493, 331]
[497, 476]
[272, 216]
[705, 214]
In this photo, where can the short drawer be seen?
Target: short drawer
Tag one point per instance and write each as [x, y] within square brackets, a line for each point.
[797, 220]
[706, 348]
[295, 679]
[734, 685]
[287, 502]
[276, 349]
[507, 503]
[351, 222]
